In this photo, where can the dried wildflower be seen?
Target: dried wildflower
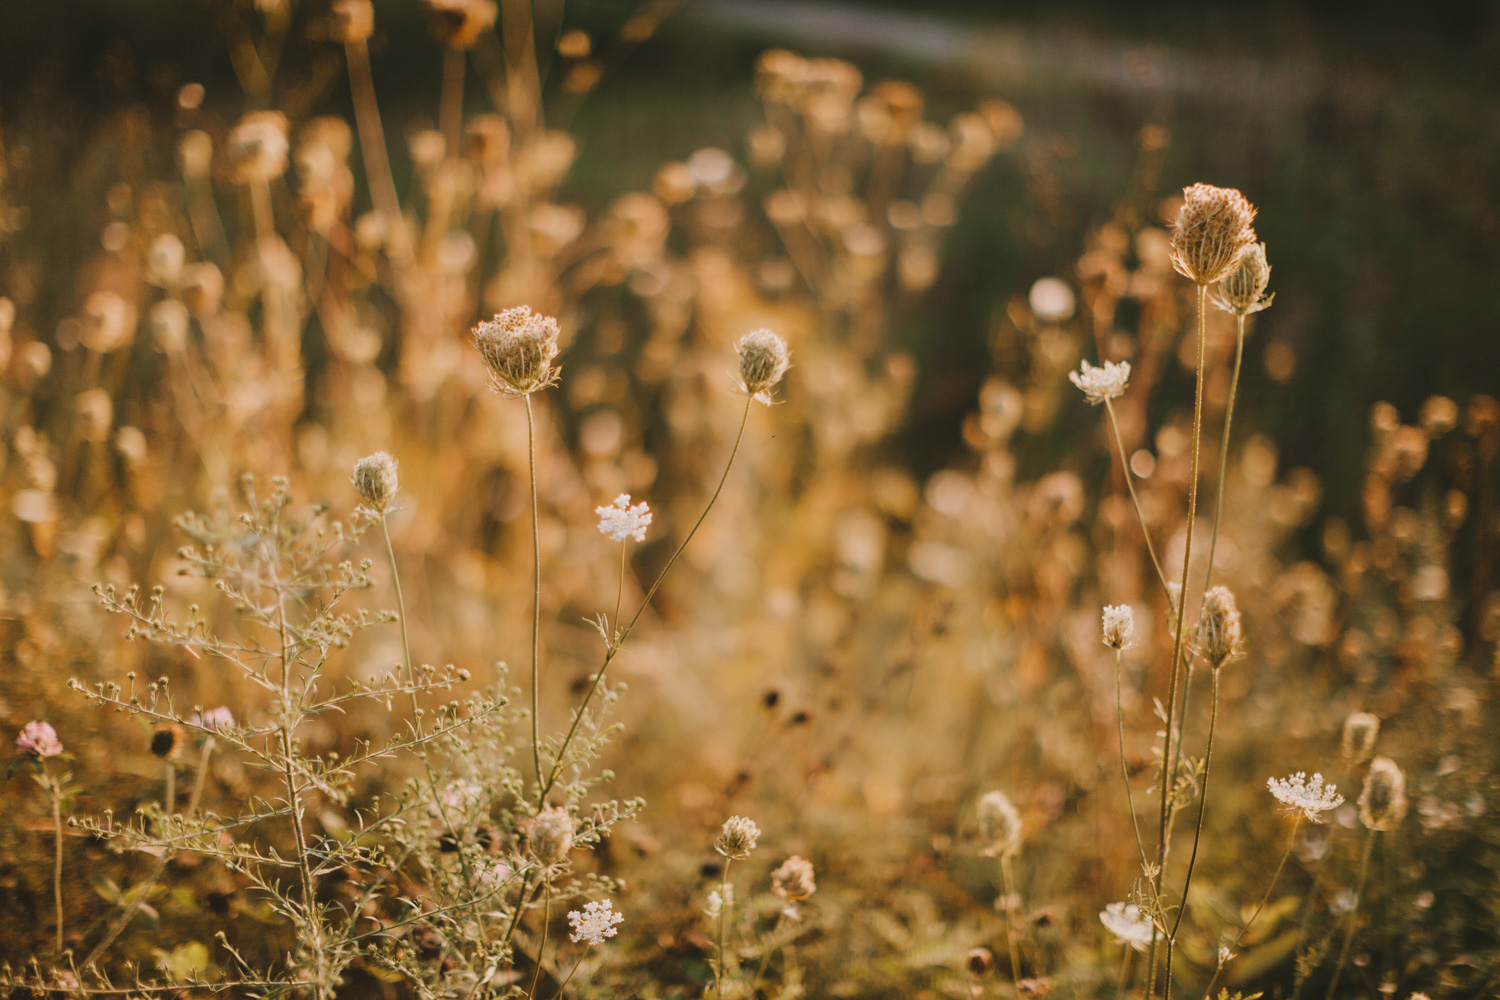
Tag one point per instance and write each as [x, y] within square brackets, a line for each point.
[1360, 732]
[215, 719]
[258, 147]
[1382, 803]
[352, 20]
[166, 740]
[375, 481]
[621, 521]
[1099, 384]
[738, 838]
[38, 740]
[1219, 632]
[980, 961]
[551, 835]
[764, 359]
[1128, 924]
[1212, 231]
[459, 23]
[518, 346]
[794, 883]
[108, 322]
[1119, 623]
[999, 824]
[1310, 797]
[595, 923]
[1243, 291]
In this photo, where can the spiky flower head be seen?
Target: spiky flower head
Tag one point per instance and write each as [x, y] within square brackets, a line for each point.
[1219, 631]
[1243, 290]
[595, 923]
[551, 835]
[1119, 623]
[375, 481]
[1310, 797]
[621, 521]
[518, 347]
[258, 147]
[1382, 803]
[1360, 732]
[1128, 924]
[1105, 382]
[1212, 230]
[738, 838]
[38, 740]
[794, 881]
[999, 824]
[764, 359]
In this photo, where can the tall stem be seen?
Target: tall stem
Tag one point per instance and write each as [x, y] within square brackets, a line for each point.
[411, 676]
[723, 921]
[373, 151]
[541, 949]
[536, 597]
[1234, 385]
[1364, 872]
[54, 791]
[569, 978]
[1124, 770]
[1208, 757]
[1010, 927]
[1135, 500]
[1290, 840]
[451, 111]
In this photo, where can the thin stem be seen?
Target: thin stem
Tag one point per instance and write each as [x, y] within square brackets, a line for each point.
[372, 149]
[411, 677]
[1208, 756]
[54, 791]
[1364, 872]
[569, 978]
[723, 920]
[541, 949]
[451, 111]
[1290, 840]
[1010, 927]
[620, 593]
[536, 597]
[1135, 500]
[1234, 384]
[1125, 771]
[1124, 968]
[619, 641]
[765, 958]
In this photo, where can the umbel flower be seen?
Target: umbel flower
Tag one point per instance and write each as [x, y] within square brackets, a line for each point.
[595, 923]
[1243, 291]
[518, 347]
[764, 359]
[1220, 632]
[1099, 384]
[621, 521]
[1212, 231]
[38, 740]
[1382, 803]
[1311, 797]
[375, 481]
[1128, 924]
[999, 824]
[738, 838]
[1119, 623]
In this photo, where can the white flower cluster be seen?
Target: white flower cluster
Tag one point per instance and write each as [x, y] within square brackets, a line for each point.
[620, 520]
[1099, 384]
[1309, 796]
[1128, 924]
[1119, 622]
[595, 923]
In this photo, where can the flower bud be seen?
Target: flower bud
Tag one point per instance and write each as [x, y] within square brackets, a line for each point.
[1212, 231]
[1219, 630]
[764, 359]
[1360, 732]
[551, 836]
[1243, 291]
[375, 480]
[999, 823]
[1382, 804]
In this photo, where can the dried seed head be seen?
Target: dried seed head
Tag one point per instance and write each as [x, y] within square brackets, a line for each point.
[166, 740]
[738, 838]
[1360, 732]
[1119, 623]
[375, 480]
[1219, 630]
[1243, 291]
[981, 960]
[764, 359]
[518, 346]
[551, 835]
[1211, 232]
[459, 23]
[352, 20]
[793, 881]
[999, 824]
[1382, 804]
[258, 147]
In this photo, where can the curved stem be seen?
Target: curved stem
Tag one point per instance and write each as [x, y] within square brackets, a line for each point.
[536, 594]
[1125, 771]
[1290, 840]
[569, 978]
[620, 593]
[1364, 872]
[765, 958]
[541, 949]
[1208, 757]
[1135, 500]
[1010, 927]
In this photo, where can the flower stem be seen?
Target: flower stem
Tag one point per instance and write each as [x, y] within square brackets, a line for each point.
[1010, 927]
[1364, 872]
[569, 978]
[1125, 771]
[542, 948]
[1234, 384]
[1135, 500]
[1290, 840]
[536, 598]
[54, 792]
[723, 920]
[1208, 756]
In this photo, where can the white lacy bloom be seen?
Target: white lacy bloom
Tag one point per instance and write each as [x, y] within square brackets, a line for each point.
[1119, 622]
[620, 520]
[1099, 384]
[1127, 923]
[716, 902]
[595, 923]
[1311, 797]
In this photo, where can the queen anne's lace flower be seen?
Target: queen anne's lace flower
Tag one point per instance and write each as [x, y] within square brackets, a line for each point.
[1308, 796]
[621, 521]
[1127, 923]
[595, 923]
[1099, 384]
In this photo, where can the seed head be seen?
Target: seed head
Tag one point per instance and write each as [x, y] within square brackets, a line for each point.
[1360, 732]
[258, 147]
[551, 836]
[1212, 230]
[1382, 804]
[1219, 631]
[764, 359]
[793, 881]
[1099, 384]
[518, 346]
[38, 740]
[1119, 623]
[999, 824]
[374, 480]
[738, 838]
[166, 740]
[1243, 291]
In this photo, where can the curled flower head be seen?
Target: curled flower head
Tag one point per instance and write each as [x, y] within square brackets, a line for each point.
[764, 359]
[38, 740]
[518, 347]
[621, 521]
[551, 835]
[1128, 924]
[595, 923]
[1361, 730]
[999, 823]
[1382, 803]
[738, 838]
[1243, 291]
[1219, 632]
[1099, 384]
[1119, 623]
[1310, 797]
[1212, 231]
[375, 481]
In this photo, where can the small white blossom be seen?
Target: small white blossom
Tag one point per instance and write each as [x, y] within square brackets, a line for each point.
[1127, 923]
[620, 520]
[1119, 622]
[1099, 384]
[716, 902]
[595, 923]
[1309, 796]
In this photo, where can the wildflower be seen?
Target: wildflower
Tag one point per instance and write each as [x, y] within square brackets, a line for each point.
[164, 260]
[716, 902]
[1128, 924]
[459, 23]
[999, 823]
[493, 877]
[764, 359]
[518, 346]
[1243, 291]
[981, 960]
[620, 520]
[1099, 384]
[108, 322]
[551, 835]
[794, 883]
[1311, 797]
[215, 719]
[1360, 732]
[1119, 623]
[1382, 803]
[595, 923]
[738, 838]
[375, 481]
[38, 740]
[1212, 231]
[1219, 631]
[166, 740]
[258, 147]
